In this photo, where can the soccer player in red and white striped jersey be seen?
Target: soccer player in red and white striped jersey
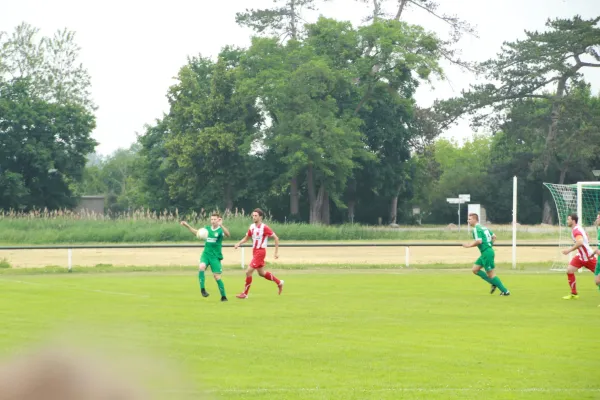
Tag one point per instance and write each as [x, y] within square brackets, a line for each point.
[260, 234]
[585, 257]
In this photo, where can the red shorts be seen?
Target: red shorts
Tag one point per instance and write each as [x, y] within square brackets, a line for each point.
[590, 264]
[258, 258]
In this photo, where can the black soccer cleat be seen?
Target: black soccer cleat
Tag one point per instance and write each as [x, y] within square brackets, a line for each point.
[204, 293]
[493, 289]
[505, 293]
[223, 298]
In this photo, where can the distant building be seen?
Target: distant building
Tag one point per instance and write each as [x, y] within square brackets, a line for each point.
[91, 204]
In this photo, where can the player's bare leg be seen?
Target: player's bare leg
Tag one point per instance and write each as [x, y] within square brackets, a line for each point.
[477, 271]
[572, 283]
[270, 277]
[202, 279]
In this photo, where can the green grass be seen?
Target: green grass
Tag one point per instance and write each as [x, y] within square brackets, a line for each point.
[332, 335]
[58, 230]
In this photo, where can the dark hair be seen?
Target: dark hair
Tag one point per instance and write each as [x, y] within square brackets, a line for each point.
[215, 214]
[259, 212]
[574, 217]
[474, 215]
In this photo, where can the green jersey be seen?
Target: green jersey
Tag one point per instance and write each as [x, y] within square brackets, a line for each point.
[214, 243]
[485, 235]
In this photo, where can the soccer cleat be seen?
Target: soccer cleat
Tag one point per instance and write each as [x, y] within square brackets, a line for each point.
[223, 298]
[242, 296]
[507, 293]
[493, 289]
[204, 293]
[571, 297]
[280, 286]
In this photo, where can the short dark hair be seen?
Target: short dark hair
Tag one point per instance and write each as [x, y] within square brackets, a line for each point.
[259, 212]
[215, 214]
[474, 215]
[574, 217]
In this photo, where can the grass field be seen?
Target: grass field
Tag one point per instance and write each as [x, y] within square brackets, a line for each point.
[370, 334]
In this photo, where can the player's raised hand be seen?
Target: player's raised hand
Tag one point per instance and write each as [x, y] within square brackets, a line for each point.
[183, 223]
[220, 221]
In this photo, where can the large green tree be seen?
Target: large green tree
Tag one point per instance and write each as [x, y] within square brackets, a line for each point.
[43, 147]
[206, 138]
[545, 65]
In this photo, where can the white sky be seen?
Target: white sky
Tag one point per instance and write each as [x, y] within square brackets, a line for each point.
[134, 48]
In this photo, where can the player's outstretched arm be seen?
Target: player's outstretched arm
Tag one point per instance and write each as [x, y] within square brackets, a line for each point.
[241, 242]
[194, 231]
[225, 230]
[578, 244]
[474, 243]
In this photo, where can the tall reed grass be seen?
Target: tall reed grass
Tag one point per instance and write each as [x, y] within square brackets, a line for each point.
[144, 226]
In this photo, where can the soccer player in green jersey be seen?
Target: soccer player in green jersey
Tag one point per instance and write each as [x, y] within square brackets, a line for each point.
[212, 254]
[484, 239]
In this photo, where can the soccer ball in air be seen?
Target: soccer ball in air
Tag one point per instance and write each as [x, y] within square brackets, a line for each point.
[202, 234]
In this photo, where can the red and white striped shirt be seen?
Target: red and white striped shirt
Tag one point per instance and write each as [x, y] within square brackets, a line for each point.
[585, 251]
[259, 234]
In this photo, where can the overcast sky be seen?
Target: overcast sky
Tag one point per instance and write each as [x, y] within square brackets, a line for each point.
[134, 48]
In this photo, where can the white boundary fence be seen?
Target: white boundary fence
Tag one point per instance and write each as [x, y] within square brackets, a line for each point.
[406, 246]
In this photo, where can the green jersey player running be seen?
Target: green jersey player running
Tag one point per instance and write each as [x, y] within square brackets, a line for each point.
[484, 239]
[212, 254]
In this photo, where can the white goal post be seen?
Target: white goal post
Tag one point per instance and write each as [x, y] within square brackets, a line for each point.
[582, 198]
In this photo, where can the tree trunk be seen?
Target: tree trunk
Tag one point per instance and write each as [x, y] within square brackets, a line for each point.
[400, 9]
[293, 28]
[294, 199]
[351, 196]
[547, 217]
[316, 208]
[394, 209]
[563, 175]
[351, 212]
[228, 197]
[325, 213]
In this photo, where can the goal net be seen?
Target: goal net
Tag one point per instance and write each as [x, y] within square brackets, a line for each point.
[582, 198]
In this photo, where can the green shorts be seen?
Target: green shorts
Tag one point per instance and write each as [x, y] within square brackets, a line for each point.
[213, 262]
[486, 260]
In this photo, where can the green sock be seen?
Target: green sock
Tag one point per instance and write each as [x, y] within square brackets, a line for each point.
[221, 287]
[496, 281]
[484, 276]
[202, 279]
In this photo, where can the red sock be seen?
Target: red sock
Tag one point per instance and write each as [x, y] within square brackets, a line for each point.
[248, 283]
[270, 277]
[571, 278]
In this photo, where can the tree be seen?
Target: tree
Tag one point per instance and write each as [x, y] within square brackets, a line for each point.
[284, 20]
[458, 27]
[210, 128]
[546, 65]
[43, 147]
[49, 64]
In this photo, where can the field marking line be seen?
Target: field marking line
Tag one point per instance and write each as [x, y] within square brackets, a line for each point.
[76, 288]
[397, 389]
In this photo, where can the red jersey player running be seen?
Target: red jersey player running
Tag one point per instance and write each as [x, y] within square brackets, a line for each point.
[585, 256]
[259, 232]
